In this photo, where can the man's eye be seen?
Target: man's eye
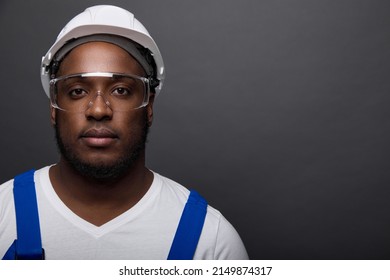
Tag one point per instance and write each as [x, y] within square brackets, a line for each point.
[121, 91]
[78, 92]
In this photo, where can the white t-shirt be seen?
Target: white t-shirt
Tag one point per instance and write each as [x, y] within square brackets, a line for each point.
[145, 231]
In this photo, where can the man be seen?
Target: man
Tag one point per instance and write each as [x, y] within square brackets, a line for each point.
[100, 201]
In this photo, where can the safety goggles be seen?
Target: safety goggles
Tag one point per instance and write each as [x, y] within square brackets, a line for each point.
[79, 92]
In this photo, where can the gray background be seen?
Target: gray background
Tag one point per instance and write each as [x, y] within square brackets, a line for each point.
[276, 111]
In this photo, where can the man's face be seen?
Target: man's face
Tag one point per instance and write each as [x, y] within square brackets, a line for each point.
[101, 142]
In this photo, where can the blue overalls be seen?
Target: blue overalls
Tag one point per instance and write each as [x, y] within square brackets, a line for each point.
[28, 245]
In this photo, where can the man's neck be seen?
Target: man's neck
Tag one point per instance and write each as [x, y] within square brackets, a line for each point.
[96, 200]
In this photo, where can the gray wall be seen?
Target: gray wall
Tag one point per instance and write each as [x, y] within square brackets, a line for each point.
[276, 111]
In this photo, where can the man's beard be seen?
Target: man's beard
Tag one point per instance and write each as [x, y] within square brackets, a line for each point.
[102, 171]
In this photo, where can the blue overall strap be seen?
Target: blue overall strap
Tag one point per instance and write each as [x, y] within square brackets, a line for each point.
[28, 245]
[190, 227]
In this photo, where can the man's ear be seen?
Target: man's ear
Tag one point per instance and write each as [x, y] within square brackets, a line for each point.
[53, 115]
[149, 109]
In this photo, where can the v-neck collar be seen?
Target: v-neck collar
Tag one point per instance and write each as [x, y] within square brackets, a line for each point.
[43, 181]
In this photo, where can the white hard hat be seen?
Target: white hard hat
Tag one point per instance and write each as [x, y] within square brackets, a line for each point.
[103, 19]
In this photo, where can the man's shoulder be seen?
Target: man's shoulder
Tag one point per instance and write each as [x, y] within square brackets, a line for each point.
[219, 239]
[171, 189]
[180, 192]
[6, 188]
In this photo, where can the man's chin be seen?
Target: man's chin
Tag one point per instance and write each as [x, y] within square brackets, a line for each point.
[102, 171]
[101, 166]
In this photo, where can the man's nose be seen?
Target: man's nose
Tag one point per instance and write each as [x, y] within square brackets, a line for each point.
[99, 107]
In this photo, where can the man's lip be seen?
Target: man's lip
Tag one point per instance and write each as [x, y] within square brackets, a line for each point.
[99, 133]
[98, 138]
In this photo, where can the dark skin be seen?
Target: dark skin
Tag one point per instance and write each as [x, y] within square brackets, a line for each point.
[96, 200]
